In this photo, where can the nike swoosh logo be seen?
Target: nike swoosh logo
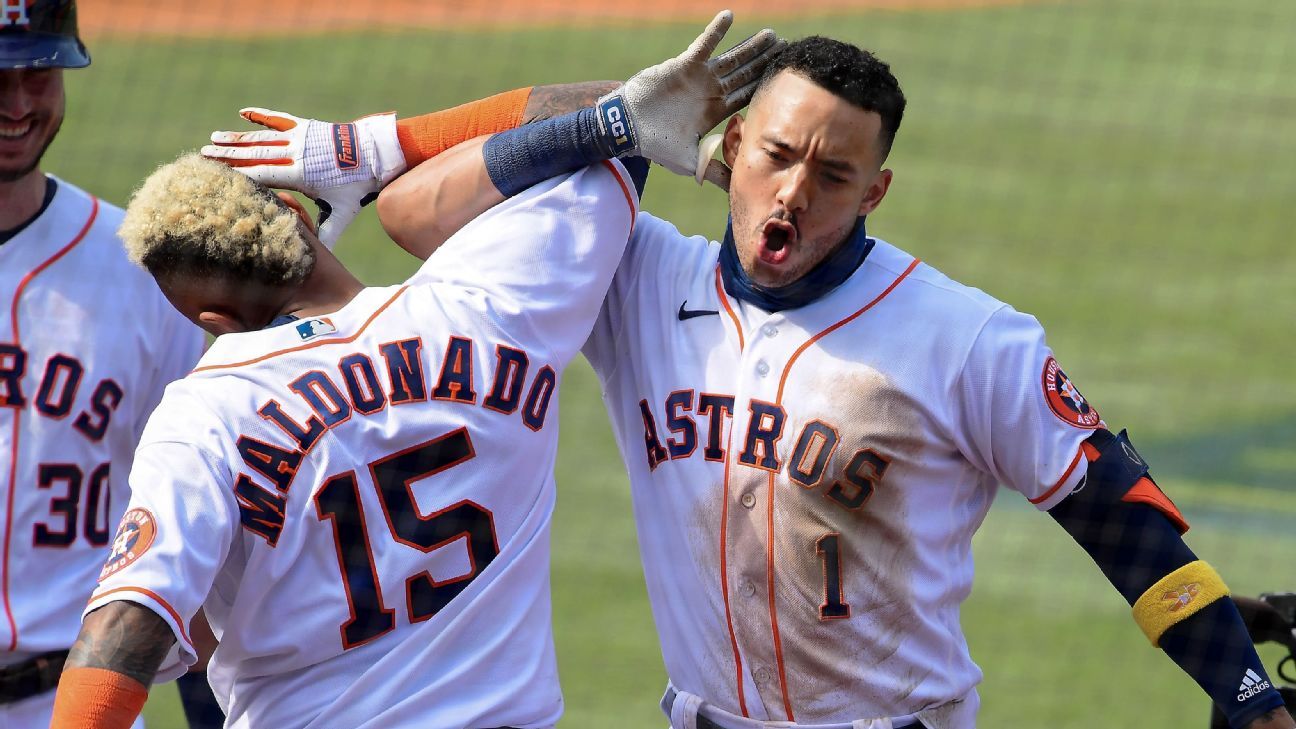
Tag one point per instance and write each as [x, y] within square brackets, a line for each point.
[690, 314]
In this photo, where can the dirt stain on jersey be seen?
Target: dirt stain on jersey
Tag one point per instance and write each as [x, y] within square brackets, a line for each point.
[840, 667]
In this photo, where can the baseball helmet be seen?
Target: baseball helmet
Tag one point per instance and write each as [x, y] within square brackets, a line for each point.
[40, 34]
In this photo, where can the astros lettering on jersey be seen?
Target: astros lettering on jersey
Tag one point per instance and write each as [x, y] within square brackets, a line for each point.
[361, 502]
[88, 346]
[806, 483]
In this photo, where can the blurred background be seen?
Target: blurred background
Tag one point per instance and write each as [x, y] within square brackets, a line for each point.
[1123, 170]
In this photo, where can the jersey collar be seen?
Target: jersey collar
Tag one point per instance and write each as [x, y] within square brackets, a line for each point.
[816, 284]
[51, 187]
[280, 320]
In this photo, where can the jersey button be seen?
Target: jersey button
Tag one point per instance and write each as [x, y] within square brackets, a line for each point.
[762, 368]
[748, 499]
[748, 589]
[762, 675]
[769, 330]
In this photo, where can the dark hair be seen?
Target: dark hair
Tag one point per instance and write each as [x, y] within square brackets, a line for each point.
[847, 71]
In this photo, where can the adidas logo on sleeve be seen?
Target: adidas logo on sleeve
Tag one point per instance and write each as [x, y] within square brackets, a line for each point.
[1251, 685]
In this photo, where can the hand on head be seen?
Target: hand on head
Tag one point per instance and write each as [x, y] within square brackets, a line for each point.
[339, 166]
[672, 104]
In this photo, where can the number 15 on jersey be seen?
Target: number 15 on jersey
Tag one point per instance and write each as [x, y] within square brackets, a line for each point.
[338, 502]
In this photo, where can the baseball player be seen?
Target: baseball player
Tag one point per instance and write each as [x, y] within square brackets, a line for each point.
[815, 423]
[86, 348]
[355, 483]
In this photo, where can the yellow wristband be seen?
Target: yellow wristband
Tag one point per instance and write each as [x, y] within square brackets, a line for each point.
[1177, 597]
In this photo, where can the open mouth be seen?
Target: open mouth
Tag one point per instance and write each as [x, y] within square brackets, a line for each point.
[777, 238]
[16, 130]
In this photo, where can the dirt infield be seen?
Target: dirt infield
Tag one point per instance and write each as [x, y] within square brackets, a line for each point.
[242, 18]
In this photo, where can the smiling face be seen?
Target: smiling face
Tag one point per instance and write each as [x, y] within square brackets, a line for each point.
[805, 166]
[31, 111]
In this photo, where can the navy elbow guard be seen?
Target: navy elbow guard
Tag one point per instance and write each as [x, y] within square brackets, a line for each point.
[1132, 531]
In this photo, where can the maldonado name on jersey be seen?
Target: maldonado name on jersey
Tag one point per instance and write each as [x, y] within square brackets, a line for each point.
[357, 387]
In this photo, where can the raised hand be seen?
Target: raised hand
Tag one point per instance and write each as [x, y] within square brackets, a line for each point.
[341, 166]
[664, 110]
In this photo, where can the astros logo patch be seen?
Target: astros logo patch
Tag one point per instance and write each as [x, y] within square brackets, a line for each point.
[134, 537]
[1065, 400]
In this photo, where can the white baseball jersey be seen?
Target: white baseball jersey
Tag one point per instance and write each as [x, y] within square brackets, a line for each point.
[806, 483]
[361, 501]
[88, 345]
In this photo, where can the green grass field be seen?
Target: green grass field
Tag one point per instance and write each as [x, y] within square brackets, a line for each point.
[1121, 170]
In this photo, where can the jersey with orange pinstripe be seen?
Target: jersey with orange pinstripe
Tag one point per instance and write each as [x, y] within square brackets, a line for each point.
[88, 345]
[806, 483]
[360, 502]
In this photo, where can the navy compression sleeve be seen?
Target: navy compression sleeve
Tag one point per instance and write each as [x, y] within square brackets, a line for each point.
[519, 158]
[1136, 546]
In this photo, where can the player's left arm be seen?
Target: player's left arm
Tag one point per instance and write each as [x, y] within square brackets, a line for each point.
[110, 668]
[342, 166]
[1133, 532]
[1025, 422]
[431, 202]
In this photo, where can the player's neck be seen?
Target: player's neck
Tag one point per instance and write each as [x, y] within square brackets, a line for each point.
[329, 287]
[21, 199]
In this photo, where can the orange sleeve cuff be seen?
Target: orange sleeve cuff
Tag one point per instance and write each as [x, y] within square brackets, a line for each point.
[97, 698]
[424, 137]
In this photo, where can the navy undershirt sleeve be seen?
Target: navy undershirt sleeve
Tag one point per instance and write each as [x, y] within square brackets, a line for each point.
[519, 158]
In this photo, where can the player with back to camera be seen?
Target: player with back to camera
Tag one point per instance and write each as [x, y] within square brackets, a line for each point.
[815, 423]
[87, 346]
[356, 484]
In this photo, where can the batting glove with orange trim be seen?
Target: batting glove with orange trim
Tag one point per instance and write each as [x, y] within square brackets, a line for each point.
[340, 166]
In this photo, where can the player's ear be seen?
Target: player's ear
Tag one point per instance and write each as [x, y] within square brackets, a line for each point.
[877, 190]
[217, 323]
[732, 139]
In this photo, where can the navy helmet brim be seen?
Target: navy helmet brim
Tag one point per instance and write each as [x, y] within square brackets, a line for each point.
[42, 50]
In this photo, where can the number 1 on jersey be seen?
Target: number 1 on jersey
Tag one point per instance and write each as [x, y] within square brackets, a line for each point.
[835, 606]
[338, 501]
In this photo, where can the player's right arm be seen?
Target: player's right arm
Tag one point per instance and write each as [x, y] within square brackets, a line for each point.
[171, 543]
[108, 672]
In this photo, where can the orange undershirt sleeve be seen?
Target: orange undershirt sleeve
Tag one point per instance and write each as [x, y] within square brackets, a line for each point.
[97, 698]
[424, 137]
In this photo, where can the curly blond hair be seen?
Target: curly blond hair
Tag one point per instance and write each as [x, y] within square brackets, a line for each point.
[197, 217]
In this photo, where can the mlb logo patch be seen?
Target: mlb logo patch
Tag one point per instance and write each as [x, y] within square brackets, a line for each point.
[312, 328]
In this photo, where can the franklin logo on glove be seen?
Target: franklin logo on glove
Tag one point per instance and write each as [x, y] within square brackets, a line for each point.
[344, 145]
